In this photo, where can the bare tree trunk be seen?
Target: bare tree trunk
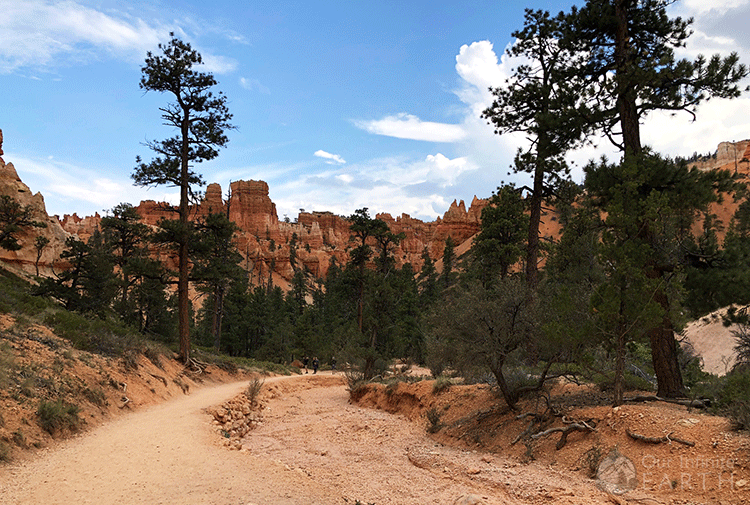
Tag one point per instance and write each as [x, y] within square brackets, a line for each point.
[535, 217]
[664, 358]
[183, 292]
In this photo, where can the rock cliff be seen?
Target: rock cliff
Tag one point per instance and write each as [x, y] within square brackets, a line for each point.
[318, 238]
[25, 258]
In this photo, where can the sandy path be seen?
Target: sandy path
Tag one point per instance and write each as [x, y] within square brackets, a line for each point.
[162, 455]
[313, 448]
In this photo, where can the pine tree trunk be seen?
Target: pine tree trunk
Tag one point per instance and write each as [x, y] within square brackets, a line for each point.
[183, 292]
[626, 99]
[535, 217]
[664, 359]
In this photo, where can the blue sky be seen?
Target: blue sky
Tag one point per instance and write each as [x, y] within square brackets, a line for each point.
[338, 105]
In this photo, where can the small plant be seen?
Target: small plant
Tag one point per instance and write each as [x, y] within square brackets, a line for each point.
[356, 383]
[590, 460]
[434, 417]
[57, 416]
[4, 452]
[253, 390]
[95, 396]
[18, 438]
[442, 383]
[153, 356]
[130, 360]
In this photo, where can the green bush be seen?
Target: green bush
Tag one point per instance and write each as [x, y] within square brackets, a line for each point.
[58, 415]
[96, 396]
[434, 418]
[253, 389]
[442, 383]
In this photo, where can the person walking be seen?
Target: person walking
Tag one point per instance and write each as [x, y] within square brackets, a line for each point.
[305, 361]
[315, 364]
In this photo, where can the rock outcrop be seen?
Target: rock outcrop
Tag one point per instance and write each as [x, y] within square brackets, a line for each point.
[25, 258]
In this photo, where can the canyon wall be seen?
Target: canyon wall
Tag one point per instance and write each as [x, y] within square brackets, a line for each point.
[265, 242]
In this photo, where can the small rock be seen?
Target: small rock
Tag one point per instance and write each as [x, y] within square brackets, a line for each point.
[740, 483]
[469, 499]
[473, 471]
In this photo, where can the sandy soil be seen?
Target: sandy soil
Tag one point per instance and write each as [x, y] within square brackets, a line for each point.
[313, 448]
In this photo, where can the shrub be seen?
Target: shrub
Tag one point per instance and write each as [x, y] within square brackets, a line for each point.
[58, 415]
[95, 396]
[442, 383]
[355, 383]
[4, 452]
[253, 390]
[434, 418]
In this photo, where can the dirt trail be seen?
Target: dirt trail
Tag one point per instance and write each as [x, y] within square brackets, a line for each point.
[313, 448]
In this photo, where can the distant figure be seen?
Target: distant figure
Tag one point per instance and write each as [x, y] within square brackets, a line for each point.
[305, 361]
[333, 364]
[315, 365]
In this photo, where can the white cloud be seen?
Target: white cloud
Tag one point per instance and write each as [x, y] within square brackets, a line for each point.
[702, 7]
[218, 64]
[40, 34]
[254, 85]
[331, 158]
[391, 184]
[407, 126]
[60, 183]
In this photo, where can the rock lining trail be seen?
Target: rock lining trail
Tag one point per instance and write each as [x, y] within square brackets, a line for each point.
[312, 448]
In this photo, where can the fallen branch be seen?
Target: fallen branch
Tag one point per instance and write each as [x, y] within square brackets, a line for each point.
[698, 404]
[564, 431]
[535, 418]
[159, 377]
[668, 439]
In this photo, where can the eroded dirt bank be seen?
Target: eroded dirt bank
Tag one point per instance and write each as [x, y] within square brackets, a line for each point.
[312, 447]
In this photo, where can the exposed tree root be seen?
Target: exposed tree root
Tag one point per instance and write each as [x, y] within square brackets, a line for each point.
[668, 439]
[564, 432]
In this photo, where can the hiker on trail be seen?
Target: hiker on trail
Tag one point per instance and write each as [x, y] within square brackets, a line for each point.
[315, 365]
[305, 361]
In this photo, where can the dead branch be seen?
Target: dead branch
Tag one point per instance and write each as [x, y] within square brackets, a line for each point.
[160, 378]
[668, 439]
[564, 431]
[535, 418]
[698, 404]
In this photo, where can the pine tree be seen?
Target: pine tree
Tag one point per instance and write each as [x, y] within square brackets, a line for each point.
[631, 70]
[201, 119]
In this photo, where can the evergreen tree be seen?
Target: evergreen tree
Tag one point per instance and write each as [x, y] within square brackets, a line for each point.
[449, 260]
[201, 119]
[40, 243]
[540, 100]
[500, 242]
[650, 204]
[14, 217]
[628, 48]
[216, 264]
[127, 237]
